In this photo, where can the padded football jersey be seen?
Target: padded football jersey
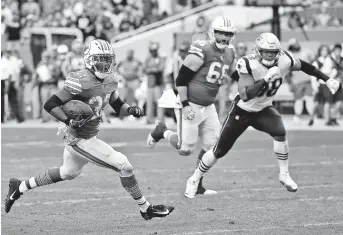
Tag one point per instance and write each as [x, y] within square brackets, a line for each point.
[84, 85]
[204, 86]
[251, 65]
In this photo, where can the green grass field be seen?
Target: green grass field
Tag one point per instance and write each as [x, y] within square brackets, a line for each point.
[250, 201]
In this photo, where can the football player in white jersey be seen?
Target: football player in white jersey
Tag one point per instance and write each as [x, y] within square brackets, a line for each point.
[261, 74]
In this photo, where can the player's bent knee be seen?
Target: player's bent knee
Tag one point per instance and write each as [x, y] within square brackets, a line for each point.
[219, 152]
[127, 170]
[69, 173]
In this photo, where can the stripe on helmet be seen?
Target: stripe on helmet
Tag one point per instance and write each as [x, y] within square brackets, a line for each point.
[224, 21]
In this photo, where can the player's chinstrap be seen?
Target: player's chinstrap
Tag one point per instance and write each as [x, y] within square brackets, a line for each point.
[95, 86]
[261, 75]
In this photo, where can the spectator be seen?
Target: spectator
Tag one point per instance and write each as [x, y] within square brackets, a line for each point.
[99, 31]
[131, 71]
[300, 83]
[15, 91]
[5, 78]
[46, 80]
[337, 58]
[30, 8]
[322, 93]
[295, 20]
[154, 67]
[13, 29]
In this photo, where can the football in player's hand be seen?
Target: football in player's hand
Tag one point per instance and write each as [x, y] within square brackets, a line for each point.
[75, 109]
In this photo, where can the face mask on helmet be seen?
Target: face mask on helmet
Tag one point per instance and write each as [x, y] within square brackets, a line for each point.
[223, 39]
[103, 65]
[268, 56]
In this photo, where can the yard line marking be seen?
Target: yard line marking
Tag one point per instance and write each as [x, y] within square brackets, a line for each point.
[248, 150]
[263, 228]
[329, 198]
[72, 201]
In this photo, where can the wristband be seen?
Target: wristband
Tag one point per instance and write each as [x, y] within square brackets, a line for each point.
[67, 121]
[185, 103]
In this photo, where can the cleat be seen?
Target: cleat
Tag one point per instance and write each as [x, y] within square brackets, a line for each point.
[286, 180]
[203, 191]
[156, 135]
[310, 123]
[13, 194]
[191, 188]
[157, 211]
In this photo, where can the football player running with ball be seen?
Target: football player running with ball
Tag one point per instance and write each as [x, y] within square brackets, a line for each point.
[200, 76]
[261, 74]
[96, 86]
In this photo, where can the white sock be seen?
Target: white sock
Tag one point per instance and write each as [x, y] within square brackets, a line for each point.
[207, 161]
[281, 152]
[23, 187]
[143, 204]
[168, 134]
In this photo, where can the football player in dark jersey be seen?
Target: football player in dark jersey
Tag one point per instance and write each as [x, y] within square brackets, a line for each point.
[96, 86]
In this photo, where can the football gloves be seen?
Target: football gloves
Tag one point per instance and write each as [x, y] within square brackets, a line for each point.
[135, 111]
[188, 113]
[273, 72]
[333, 85]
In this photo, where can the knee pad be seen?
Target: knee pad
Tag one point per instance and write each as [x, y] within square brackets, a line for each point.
[127, 170]
[281, 149]
[69, 173]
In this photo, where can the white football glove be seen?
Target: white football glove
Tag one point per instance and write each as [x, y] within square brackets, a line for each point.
[273, 72]
[333, 85]
[188, 113]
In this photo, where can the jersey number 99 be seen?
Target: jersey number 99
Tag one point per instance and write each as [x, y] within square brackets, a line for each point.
[216, 72]
[271, 88]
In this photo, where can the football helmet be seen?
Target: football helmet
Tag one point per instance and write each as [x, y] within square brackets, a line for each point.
[222, 31]
[267, 48]
[99, 57]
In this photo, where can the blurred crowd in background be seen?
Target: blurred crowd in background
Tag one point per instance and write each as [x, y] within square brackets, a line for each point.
[142, 82]
[104, 19]
[24, 90]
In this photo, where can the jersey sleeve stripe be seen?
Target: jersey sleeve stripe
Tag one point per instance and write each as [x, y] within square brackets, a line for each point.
[73, 79]
[290, 57]
[248, 65]
[76, 84]
[73, 88]
[201, 55]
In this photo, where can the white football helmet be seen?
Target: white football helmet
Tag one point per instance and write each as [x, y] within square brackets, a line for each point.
[222, 31]
[267, 48]
[99, 57]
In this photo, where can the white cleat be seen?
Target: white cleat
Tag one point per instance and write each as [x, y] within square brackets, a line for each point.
[208, 192]
[191, 188]
[286, 180]
[156, 135]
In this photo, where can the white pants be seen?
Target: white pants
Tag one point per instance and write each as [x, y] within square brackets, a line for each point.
[93, 150]
[205, 125]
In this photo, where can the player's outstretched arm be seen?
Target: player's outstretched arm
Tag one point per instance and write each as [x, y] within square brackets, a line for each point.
[123, 108]
[311, 70]
[54, 103]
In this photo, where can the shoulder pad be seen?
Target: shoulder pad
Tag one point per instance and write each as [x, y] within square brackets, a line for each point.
[198, 48]
[243, 65]
[77, 81]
